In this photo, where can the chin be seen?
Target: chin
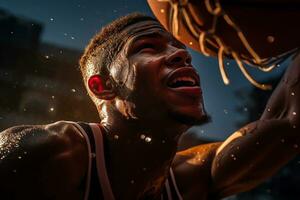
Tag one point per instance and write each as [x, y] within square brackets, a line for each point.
[190, 115]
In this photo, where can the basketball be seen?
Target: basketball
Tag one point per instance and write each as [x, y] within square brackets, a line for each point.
[259, 33]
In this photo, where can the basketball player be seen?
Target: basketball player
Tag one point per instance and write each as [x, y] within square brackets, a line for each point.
[147, 94]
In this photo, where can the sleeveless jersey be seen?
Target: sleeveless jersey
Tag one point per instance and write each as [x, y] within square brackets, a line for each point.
[97, 182]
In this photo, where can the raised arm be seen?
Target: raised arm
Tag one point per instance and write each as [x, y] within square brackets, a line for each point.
[42, 162]
[259, 149]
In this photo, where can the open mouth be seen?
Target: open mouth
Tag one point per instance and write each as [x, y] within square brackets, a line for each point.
[184, 77]
[185, 81]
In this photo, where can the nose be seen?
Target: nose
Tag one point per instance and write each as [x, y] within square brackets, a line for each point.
[179, 57]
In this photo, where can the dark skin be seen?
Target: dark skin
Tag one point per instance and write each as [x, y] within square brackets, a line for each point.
[50, 161]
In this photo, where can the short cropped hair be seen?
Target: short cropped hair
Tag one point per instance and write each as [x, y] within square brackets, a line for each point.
[106, 44]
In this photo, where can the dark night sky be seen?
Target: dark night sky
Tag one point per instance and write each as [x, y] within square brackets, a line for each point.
[72, 23]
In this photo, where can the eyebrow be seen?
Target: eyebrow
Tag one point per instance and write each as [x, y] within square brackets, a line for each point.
[156, 34]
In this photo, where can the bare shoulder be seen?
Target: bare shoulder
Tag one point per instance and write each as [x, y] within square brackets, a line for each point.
[192, 170]
[33, 160]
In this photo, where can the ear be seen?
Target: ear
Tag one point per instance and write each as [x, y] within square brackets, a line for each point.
[101, 87]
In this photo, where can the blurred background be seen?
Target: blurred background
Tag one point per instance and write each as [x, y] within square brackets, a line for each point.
[40, 81]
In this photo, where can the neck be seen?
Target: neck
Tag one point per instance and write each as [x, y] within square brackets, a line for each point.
[139, 154]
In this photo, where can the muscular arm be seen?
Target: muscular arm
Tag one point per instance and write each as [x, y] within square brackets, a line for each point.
[42, 162]
[258, 150]
[250, 155]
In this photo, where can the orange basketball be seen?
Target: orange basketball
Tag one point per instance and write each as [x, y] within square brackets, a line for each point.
[260, 33]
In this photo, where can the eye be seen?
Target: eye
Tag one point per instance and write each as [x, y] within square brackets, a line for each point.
[146, 47]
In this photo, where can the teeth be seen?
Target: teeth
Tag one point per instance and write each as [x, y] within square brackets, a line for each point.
[190, 79]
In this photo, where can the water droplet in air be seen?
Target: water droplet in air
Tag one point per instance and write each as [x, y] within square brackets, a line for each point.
[19, 157]
[148, 139]
[293, 94]
[270, 39]
[51, 109]
[116, 137]
[73, 90]
[51, 19]
[294, 113]
[142, 136]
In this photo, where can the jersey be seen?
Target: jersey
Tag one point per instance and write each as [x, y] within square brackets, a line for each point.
[97, 181]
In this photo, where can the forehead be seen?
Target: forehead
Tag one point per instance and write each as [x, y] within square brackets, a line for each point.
[146, 29]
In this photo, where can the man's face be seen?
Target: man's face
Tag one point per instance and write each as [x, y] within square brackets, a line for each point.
[160, 78]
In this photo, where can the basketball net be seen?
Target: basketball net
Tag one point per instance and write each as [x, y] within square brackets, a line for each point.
[208, 40]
